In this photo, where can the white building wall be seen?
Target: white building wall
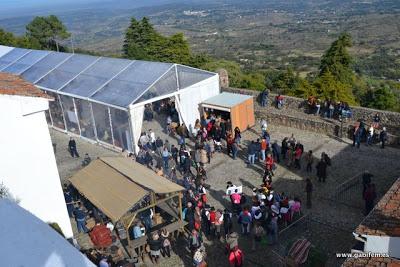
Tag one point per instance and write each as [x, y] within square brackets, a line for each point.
[383, 244]
[191, 97]
[28, 165]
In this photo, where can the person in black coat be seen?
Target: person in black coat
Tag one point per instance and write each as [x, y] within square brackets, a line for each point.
[155, 248]
[321, 170]
[72, 148]
[383, 137]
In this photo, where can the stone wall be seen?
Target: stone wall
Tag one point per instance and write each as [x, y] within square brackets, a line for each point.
[391, 120]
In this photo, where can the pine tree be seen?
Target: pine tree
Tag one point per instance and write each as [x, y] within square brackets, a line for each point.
[47, 31]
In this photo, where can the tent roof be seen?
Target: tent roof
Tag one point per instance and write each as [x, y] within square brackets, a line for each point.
[142, 175]
[107, 189]
[226, 100]
[110, 81]
[28, 241]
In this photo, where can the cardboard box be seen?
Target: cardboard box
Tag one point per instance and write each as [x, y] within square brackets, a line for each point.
[90, 223]
[157, 219]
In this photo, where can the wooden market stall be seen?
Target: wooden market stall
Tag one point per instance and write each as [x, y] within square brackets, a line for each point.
[119, 187]
[238, 108]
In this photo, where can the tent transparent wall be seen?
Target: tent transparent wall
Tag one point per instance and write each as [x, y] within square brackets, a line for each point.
[102, 122]
[121, 129]
[56, 111]
[71, 119]
[85, 118]
[48, 118]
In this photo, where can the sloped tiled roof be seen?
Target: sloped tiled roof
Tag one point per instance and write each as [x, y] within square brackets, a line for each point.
[373, 262]
[14, 85]
[384, 219]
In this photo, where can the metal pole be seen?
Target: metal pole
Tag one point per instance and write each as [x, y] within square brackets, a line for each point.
[72, 44]
[341, 125]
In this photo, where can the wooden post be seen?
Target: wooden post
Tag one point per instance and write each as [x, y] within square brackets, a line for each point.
[180, 208]
[153, 201]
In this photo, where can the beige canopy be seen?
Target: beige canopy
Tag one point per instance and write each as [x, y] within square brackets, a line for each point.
[142, 175]
[115, 184]
[107, 189]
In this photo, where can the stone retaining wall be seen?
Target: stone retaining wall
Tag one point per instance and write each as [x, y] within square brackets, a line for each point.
[389, 119]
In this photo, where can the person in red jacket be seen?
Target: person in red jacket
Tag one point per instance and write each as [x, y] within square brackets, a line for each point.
[212, 218]
[236, 257]
[297, 156]
[236, 200]
[269, 164]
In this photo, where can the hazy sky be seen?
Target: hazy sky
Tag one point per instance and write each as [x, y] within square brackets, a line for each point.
[33, 3]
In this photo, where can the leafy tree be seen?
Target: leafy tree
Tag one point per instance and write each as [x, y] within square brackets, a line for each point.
[47, 31]
[7, 38]
[142, 41]
[382, 98]
[328, 87]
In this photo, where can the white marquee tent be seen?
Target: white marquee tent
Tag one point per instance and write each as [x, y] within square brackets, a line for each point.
[102, 99]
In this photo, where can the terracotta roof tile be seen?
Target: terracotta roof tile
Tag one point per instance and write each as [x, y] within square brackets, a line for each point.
[384, 219]
[14, 85]
[375, 262]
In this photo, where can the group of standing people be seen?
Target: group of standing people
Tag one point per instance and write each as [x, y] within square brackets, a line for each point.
[373, 132]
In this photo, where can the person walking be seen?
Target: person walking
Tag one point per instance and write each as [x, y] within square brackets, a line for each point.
[152, 139]
[370, 135]
[80, 218]
[238, 135]
[284, 148]
[69, 201]
[245, 221]
[166, 243]
[165, 156]
[235, 150]
[155, 245]
[264, 97]
[321, 170]
[72, 148]
[309, 160]
[297, 156]
[258, 232]
[236, 257]
[273, 225]
[251, 150]
[159, 144]
[269, 164]
[383, 137]
[275, 151]
[264, 127]
[264, 146]
[309, 190]
[195, 241]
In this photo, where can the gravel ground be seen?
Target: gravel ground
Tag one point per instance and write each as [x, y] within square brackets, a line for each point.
[332, 223]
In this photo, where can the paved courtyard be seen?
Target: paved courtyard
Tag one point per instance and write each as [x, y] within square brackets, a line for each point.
[328, 224]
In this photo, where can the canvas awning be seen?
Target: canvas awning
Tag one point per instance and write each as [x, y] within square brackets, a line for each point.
[142, 176]
[107, 189]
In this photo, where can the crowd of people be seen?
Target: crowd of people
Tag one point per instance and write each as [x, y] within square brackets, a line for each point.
[258, 217]
[329, 108]
[370, 134]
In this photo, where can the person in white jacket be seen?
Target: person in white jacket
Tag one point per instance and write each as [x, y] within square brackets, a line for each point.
[370, 135]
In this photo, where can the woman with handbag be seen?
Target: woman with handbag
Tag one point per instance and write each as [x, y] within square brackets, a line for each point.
[166, 244]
